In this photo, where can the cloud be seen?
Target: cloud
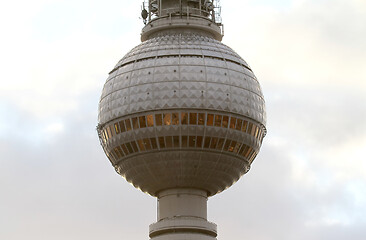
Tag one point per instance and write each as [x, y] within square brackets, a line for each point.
[308, 182]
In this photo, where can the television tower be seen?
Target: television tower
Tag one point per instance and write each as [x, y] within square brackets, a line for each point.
[181, 116]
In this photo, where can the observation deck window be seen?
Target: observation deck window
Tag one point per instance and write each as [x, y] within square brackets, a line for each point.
[193, 118]
[175, 118]
[207, 142]
[135, 123]
[167, 119]
[184, 118]
[213, 142]
[129, 147]
[142, 120]
[184, 141]
[199, 141]
[141, 145]
[153, 143]
[147, 144]
[122, 126]
[161, 142]
[192, 141]
[158, 119]
[245, 125]
[150, 120]
[116, 127]
[220, 144]
[227, 145]
[218, 119]
[239, 123]
[201, 119]
[169, 141]
[225, 121]
[128, 124]
[124, 148]
[232, 122]
[210, 119]
[176, 141]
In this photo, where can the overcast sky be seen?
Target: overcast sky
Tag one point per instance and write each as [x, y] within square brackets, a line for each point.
[308, 182]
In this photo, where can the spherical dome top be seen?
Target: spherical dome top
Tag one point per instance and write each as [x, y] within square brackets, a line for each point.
[181, 110]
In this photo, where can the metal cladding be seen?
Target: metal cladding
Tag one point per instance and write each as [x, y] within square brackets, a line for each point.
[181, 110]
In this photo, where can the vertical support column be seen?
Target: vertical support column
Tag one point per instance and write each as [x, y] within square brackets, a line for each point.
[182, 214]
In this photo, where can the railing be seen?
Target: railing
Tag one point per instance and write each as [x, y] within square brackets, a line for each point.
[210, 10]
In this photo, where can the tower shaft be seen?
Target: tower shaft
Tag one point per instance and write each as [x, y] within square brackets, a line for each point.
[182, 214]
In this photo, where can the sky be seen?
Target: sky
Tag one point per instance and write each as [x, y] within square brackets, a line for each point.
[308, 181]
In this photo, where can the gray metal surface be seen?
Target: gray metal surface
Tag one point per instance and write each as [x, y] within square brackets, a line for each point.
[181, 71]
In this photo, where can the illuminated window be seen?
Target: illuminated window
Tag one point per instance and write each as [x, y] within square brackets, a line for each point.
[239, 123]
[158, 119]
[153, 143]
[104, 136]
[122, 126]
[147, 144]
[134, 146]
[120, 151]
[199, 141]
[124, 148]
[161, 142]
[116, 127]
[192, 141]
[242, 149]
[129, 147]
[227, 145]
[193, 118]
[184, 118]
[142, 121]
[116, 152]
[232, 146]
[237, 147]
[253, 130]
[257, 132]
[175, 118]
[244, 128]
[169, 141]
[135, 123]
[141, 145]
[201, 119]
[225, 121]
[247, 152]
[213, 143]
[111, 129]
[253, 156]
[250, 126]
[220, 144]
[207, 142]
[167, 119]
[150, 120]
[112, 154]
[176, 141]
[184, 141]
[210, 119]
[232, 122]
[109, 132]
[128, 124]
[218, 120]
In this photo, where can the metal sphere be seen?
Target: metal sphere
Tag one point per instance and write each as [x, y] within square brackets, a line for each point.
[181, 110]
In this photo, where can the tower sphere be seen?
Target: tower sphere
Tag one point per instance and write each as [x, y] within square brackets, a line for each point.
[181, 109]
